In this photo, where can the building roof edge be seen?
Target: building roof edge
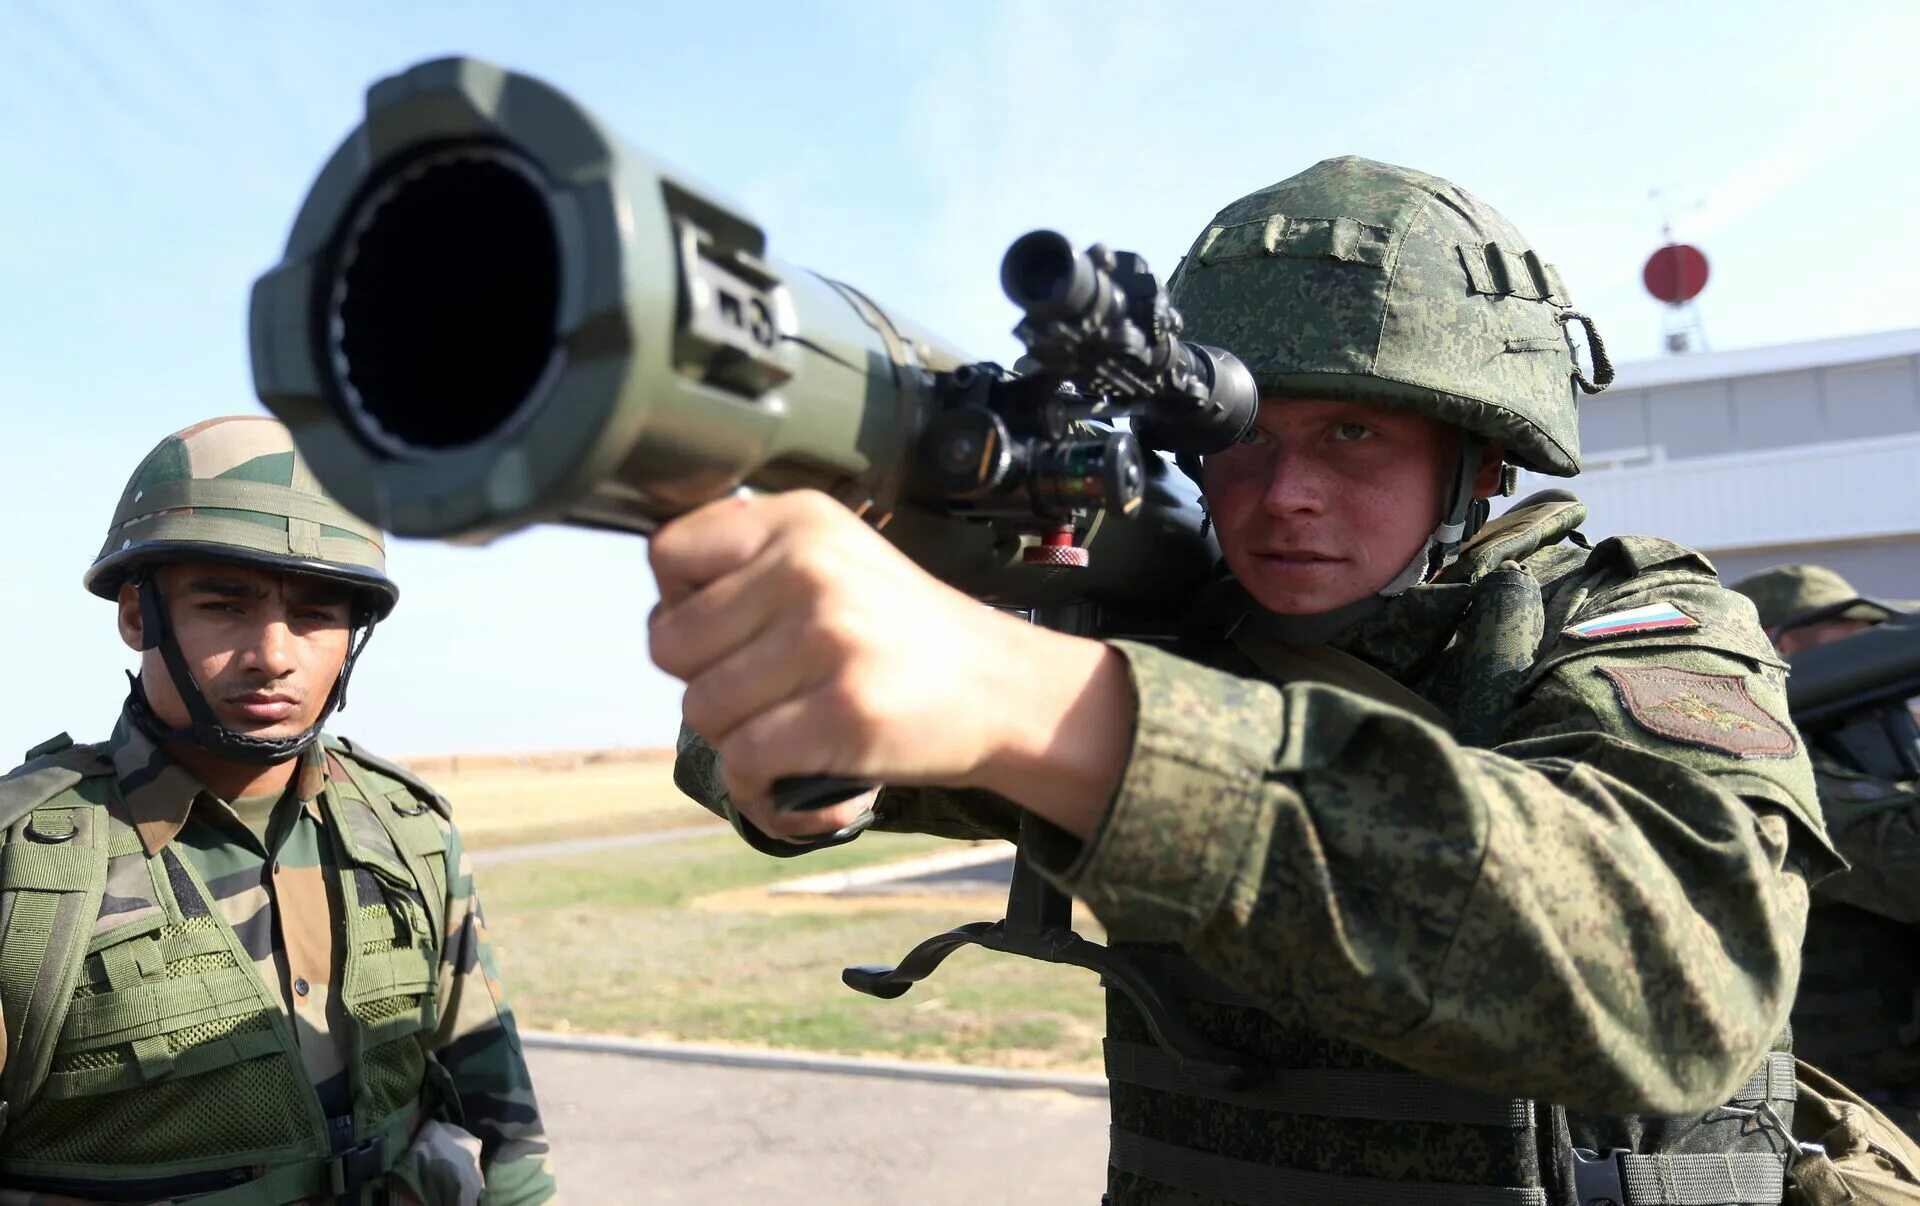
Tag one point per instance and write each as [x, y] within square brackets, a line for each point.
[1775, 358]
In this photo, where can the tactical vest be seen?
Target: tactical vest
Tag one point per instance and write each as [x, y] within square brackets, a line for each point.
[146, 1056]
[1335, 1123]
[1857, 1016]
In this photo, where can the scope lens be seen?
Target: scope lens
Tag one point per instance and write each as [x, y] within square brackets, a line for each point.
[1038, 268]
[444, 299]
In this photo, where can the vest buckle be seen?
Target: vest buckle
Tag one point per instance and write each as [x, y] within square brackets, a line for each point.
[1769, 1119]
[1596, 1178]
[357, 1167]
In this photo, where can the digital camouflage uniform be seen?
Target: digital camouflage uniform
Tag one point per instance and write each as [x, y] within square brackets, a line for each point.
[1573, 870]
[1857, 1015]
[312, 1017]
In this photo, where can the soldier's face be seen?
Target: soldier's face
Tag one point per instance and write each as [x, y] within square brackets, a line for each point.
[265, 648]
[1331, 500]
[1806, 636]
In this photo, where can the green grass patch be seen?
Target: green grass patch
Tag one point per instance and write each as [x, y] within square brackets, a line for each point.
[611, 943]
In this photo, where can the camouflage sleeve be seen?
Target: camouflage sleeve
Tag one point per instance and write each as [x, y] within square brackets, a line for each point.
[945, 812]
[1876, 827]
[1588, 914]
[479, 1044]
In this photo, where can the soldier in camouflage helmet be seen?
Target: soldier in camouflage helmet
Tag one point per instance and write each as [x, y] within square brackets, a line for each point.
[243, 961]
[1801, 606]
[1489, 851]
[1857, 1014]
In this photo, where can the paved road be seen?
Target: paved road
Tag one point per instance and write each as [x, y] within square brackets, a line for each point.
[634, 1130]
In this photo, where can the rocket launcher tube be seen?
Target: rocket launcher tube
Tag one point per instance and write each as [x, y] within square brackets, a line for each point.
[492, 313]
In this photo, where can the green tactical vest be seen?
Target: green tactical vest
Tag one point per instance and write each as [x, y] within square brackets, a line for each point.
[1336, 1124]
[1857, 1016]
[147, 1058]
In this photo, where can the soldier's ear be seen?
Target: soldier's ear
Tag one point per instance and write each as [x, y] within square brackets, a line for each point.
[128, 607]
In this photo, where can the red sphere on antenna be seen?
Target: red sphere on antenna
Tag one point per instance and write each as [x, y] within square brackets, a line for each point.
[1675, 273]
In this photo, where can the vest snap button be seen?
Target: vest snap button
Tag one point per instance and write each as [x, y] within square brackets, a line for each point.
[300, 986]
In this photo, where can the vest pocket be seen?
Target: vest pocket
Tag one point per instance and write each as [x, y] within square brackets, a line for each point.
[393, 960]
[387, 986]
[416, 829]
[202, 1088]
[169, 1003]
[168, 1047]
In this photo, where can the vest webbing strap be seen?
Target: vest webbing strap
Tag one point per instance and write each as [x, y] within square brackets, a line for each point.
[429, 872]
[160, 1007]
[1741, 1179]
[1290, 663]
[54, 892]
[6, 909]
[30, 925]
[1329, 1092]
[1771, 1081]
[1242, 1181]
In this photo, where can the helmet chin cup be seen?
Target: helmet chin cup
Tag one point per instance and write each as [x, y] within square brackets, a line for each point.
[216, 739]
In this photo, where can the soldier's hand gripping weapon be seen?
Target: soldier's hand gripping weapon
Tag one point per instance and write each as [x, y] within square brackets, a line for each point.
[493, 313]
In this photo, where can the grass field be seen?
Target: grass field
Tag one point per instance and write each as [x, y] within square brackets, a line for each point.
[504, 801]
[674, 940]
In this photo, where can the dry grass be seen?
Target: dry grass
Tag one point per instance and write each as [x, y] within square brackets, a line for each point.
[508, 801]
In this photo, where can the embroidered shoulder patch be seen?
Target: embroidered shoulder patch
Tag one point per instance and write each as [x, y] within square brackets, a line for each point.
[1653, 617]
[1712, 711]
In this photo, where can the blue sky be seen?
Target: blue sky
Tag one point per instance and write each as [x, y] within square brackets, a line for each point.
[154, 155]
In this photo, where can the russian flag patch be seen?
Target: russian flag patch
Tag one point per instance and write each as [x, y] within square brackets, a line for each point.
[1654, 617]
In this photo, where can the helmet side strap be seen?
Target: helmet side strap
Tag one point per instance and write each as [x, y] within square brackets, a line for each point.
[156, 632]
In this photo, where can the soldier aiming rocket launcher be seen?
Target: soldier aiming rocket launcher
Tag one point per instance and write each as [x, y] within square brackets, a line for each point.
[492, 313]
[1851, 695]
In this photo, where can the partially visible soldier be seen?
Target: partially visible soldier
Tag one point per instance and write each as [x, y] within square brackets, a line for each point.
[1857, 1015]
[243, 962]
[1489, 855]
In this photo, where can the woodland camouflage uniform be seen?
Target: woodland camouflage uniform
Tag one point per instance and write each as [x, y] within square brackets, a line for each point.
[1516, 864]
[1857, 1015]
[267, 1001]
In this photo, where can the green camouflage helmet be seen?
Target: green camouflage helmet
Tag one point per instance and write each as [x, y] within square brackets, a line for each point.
[1357, 280]
[234, 490]
[1789, 595]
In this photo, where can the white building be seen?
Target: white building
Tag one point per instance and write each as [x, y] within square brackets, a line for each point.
[1800, 452]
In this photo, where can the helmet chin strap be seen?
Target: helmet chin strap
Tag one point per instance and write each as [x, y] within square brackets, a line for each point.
[203, 728]
[1462, 514]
